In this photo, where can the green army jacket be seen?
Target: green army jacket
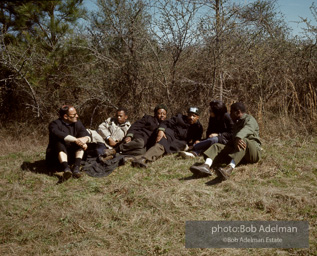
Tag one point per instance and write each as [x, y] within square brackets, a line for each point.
[247, 127]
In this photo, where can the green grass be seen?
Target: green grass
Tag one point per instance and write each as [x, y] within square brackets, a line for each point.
[143, 211]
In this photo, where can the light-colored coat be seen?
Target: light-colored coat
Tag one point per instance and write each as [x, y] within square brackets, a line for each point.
[110, 128]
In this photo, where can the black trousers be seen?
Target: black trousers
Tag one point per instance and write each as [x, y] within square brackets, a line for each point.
[52, 152]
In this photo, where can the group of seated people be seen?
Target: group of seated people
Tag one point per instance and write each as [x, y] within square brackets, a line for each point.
[230, 139]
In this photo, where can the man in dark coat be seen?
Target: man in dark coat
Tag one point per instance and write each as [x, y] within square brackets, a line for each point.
[67, 142]
[141, 135]
[173, 136]
[219, 130]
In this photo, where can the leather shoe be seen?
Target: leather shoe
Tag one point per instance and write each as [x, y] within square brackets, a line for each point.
[67, 173]
[140, 163]
[225, 172]
[76, 172]
[109, 152]
[201, 170]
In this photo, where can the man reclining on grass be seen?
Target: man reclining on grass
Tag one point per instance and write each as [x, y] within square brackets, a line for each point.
[141, 135]
[173, 136]
[244, 145]
[110, 133]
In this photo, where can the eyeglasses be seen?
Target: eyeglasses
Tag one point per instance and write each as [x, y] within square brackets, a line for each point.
[73, 115]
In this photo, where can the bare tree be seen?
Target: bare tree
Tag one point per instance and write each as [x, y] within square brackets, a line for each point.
[174, 28]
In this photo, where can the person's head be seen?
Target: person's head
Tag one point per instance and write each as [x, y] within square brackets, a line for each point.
[122, 115]
[193, 115]
[68, 114]
[237, 110]
[160, 112]
[217, 109]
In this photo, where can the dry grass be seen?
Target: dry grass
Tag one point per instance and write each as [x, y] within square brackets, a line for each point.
[143, 212]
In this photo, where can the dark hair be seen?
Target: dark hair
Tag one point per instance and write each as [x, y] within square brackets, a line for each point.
[160, 106]
[238, 106]
[122, 109]
[64, 110]
[218, 108]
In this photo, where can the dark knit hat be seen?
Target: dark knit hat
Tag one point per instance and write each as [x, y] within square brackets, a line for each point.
[194, 110]
[160, 106]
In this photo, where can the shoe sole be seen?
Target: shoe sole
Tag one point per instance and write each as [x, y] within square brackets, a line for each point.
[198, 171]
[185, 156]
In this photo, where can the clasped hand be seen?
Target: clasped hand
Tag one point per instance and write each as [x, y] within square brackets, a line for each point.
[82, 143]
[240, 144]
[160, 135]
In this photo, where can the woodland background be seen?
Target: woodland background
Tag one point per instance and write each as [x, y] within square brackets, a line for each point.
[138, 53]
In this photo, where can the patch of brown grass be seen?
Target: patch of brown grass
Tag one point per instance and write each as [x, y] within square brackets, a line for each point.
[143, 211]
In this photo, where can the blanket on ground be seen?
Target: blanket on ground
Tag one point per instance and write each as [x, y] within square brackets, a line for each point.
[95, 167]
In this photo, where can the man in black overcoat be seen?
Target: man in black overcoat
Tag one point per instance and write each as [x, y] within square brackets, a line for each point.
[173, 136]
[67, 141]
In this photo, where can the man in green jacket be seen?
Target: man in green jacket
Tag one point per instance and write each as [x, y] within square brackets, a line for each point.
[245, 145]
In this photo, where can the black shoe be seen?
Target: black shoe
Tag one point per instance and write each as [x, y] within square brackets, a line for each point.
[200, 170]
[225, 172]
[140, 163]
[109, 152]
[67, 173]
[76, 172]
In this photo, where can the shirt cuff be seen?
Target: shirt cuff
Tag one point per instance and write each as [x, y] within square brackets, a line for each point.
[89, 139]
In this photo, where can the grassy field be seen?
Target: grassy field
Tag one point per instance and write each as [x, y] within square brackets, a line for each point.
[143, 211]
